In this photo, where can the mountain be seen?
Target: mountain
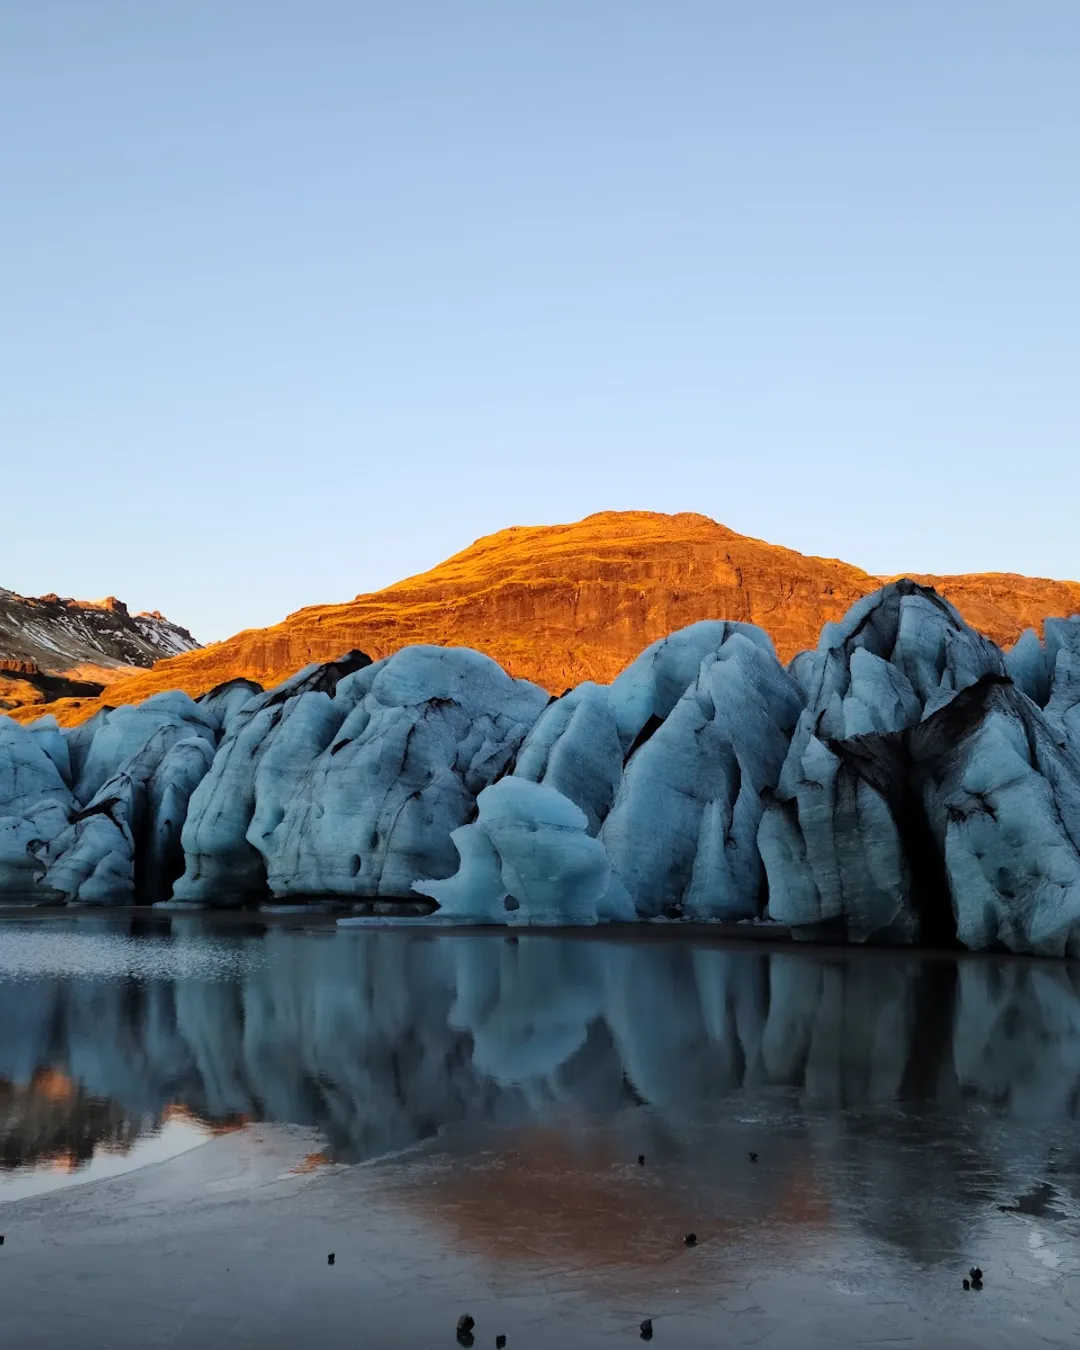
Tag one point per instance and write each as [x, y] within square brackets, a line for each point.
[53, 647]
[564, 603]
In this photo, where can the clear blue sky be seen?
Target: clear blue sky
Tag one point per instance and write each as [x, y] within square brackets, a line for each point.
[298, 297]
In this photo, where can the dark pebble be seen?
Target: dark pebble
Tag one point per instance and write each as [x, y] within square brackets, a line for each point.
[465, 1324]
[646, 1329]
[690, 1239]
[330, 1259]
[967, 1284]
[976, 1275]
[640, 1163]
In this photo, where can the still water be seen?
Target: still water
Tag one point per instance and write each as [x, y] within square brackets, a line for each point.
[908, 1117]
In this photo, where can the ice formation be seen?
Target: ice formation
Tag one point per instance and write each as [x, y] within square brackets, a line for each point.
[528, 859]
[925, 795]
[365, 802]
[36, 805]
[907, 781]
[682, 833]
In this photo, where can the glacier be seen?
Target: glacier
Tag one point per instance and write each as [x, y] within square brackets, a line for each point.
[905, 782]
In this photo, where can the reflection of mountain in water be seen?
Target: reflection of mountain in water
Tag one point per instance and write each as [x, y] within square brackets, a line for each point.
[51, 1121]
[379, 1039]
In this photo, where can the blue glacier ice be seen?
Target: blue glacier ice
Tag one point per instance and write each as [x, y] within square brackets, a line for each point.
[904, 782]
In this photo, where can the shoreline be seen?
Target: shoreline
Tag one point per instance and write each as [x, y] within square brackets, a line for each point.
[727, 935]
[226, 1245]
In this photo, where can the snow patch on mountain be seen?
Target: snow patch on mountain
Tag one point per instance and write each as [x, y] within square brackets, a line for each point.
[52, 634]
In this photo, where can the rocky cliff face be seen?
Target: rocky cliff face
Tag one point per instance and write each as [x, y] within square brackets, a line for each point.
[561, 604]
[55, 648]
[24, 687]
[52, 634]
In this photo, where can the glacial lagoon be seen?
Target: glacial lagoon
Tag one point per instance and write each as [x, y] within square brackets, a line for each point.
[193, 1117]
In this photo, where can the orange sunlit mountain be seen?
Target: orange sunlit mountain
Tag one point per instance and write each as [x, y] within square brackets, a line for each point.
[563, 603]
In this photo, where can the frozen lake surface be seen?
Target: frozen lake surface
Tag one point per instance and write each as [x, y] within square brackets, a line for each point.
[192, 1117]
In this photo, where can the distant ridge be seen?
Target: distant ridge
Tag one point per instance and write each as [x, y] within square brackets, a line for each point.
[559, 604]
[51, 645]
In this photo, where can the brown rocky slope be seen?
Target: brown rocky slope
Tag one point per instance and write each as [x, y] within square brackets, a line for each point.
[564, 603]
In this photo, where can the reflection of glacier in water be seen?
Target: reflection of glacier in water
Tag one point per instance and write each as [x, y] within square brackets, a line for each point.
[912, 1116]
[379, 1039]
